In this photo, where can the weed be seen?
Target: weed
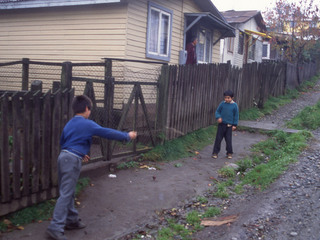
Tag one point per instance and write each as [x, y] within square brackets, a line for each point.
[244, 164]
[202, 200]
[238, 189]
[227, 172]
[211, 212]
[126, 165]
[221, 191]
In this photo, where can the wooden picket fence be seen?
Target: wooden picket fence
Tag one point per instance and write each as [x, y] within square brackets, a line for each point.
[30, 126]
[190, 94]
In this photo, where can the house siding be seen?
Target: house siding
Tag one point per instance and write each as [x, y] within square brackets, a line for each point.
[64, 34]
[234, 57]
[137, 25]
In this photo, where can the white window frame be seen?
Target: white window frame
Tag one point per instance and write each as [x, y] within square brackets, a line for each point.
[162, 12]
[207, 35]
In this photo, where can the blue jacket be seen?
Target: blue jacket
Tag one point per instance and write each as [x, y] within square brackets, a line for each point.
[78, 132]
[229, 113]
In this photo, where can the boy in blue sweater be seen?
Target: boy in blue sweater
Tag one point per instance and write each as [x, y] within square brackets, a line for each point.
[227, 116]
[75, 144]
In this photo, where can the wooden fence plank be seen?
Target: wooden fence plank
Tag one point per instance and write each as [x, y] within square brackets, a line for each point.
[55, 138]
[16, 134]
[4, 140]
[27, 106]
[36, 148]
[46, 141]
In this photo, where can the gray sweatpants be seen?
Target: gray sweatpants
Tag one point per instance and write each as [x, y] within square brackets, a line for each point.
[69, 166]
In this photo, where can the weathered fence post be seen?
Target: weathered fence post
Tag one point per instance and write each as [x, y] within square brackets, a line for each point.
[108, 107]
[25, 74]
[36, 86]
[66, 75]
[161, 121]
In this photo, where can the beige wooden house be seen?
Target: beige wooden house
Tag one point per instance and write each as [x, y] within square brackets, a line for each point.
[84, 30]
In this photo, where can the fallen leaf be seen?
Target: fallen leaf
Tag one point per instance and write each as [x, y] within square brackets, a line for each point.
[219, 221]
[144, 166]
[20, 228]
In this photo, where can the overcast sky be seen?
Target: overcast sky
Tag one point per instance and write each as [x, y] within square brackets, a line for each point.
[239, 5]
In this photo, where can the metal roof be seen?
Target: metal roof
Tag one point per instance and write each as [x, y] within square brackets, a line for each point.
[22, 4]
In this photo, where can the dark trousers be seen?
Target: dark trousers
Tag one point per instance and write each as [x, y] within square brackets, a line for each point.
[223, 132]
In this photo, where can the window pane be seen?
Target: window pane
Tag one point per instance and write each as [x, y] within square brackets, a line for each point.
[164, 34]
[154, 31]
[201, 46]
[265, 50]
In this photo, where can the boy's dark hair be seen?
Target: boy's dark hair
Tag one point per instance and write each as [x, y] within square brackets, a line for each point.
[80, 103]
[228, 93]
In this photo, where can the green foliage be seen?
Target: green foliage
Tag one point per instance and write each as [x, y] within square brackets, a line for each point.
[308, 118]
[202, 199]
[244, 164]
[221, 191]
[227, 172]
[184, 146]
[82, 184]
[211, 212]
[193, 218]
[280, 150]
[126, 165]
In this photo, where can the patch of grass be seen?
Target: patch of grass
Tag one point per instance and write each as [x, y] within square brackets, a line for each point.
[174, 231]
[281, 150]
[244, 164]
[238, 189]
[126, 165]
[181, 147]
[308, 118]
[221, 191]
[227, 172]
[211, 212]
[82, 184]
[39, 212]
[202, 200]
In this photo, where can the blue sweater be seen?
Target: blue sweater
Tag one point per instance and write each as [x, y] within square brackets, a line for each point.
[78, 132]
[229, 113]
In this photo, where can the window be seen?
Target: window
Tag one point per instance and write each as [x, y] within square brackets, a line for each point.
[159, 32]
[241, 43]
[204, 46]
[265, 50]
[230, 43]
[252, 49]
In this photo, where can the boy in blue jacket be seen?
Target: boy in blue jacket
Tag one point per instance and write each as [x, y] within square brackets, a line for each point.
[75, 144]
[227, 115]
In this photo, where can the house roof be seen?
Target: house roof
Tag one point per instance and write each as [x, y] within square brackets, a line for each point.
[236, 17]
[22, 4]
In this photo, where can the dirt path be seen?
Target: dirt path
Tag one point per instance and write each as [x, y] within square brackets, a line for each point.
[114, 207]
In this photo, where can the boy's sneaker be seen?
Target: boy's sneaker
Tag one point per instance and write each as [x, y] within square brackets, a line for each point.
[75, 225]
[215, 156]
[56, 235]
[229, 155]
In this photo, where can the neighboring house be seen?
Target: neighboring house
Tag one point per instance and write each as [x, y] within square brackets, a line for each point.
[250, 43]
[89, 30]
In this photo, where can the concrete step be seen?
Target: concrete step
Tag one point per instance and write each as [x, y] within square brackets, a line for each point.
[265, 126]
